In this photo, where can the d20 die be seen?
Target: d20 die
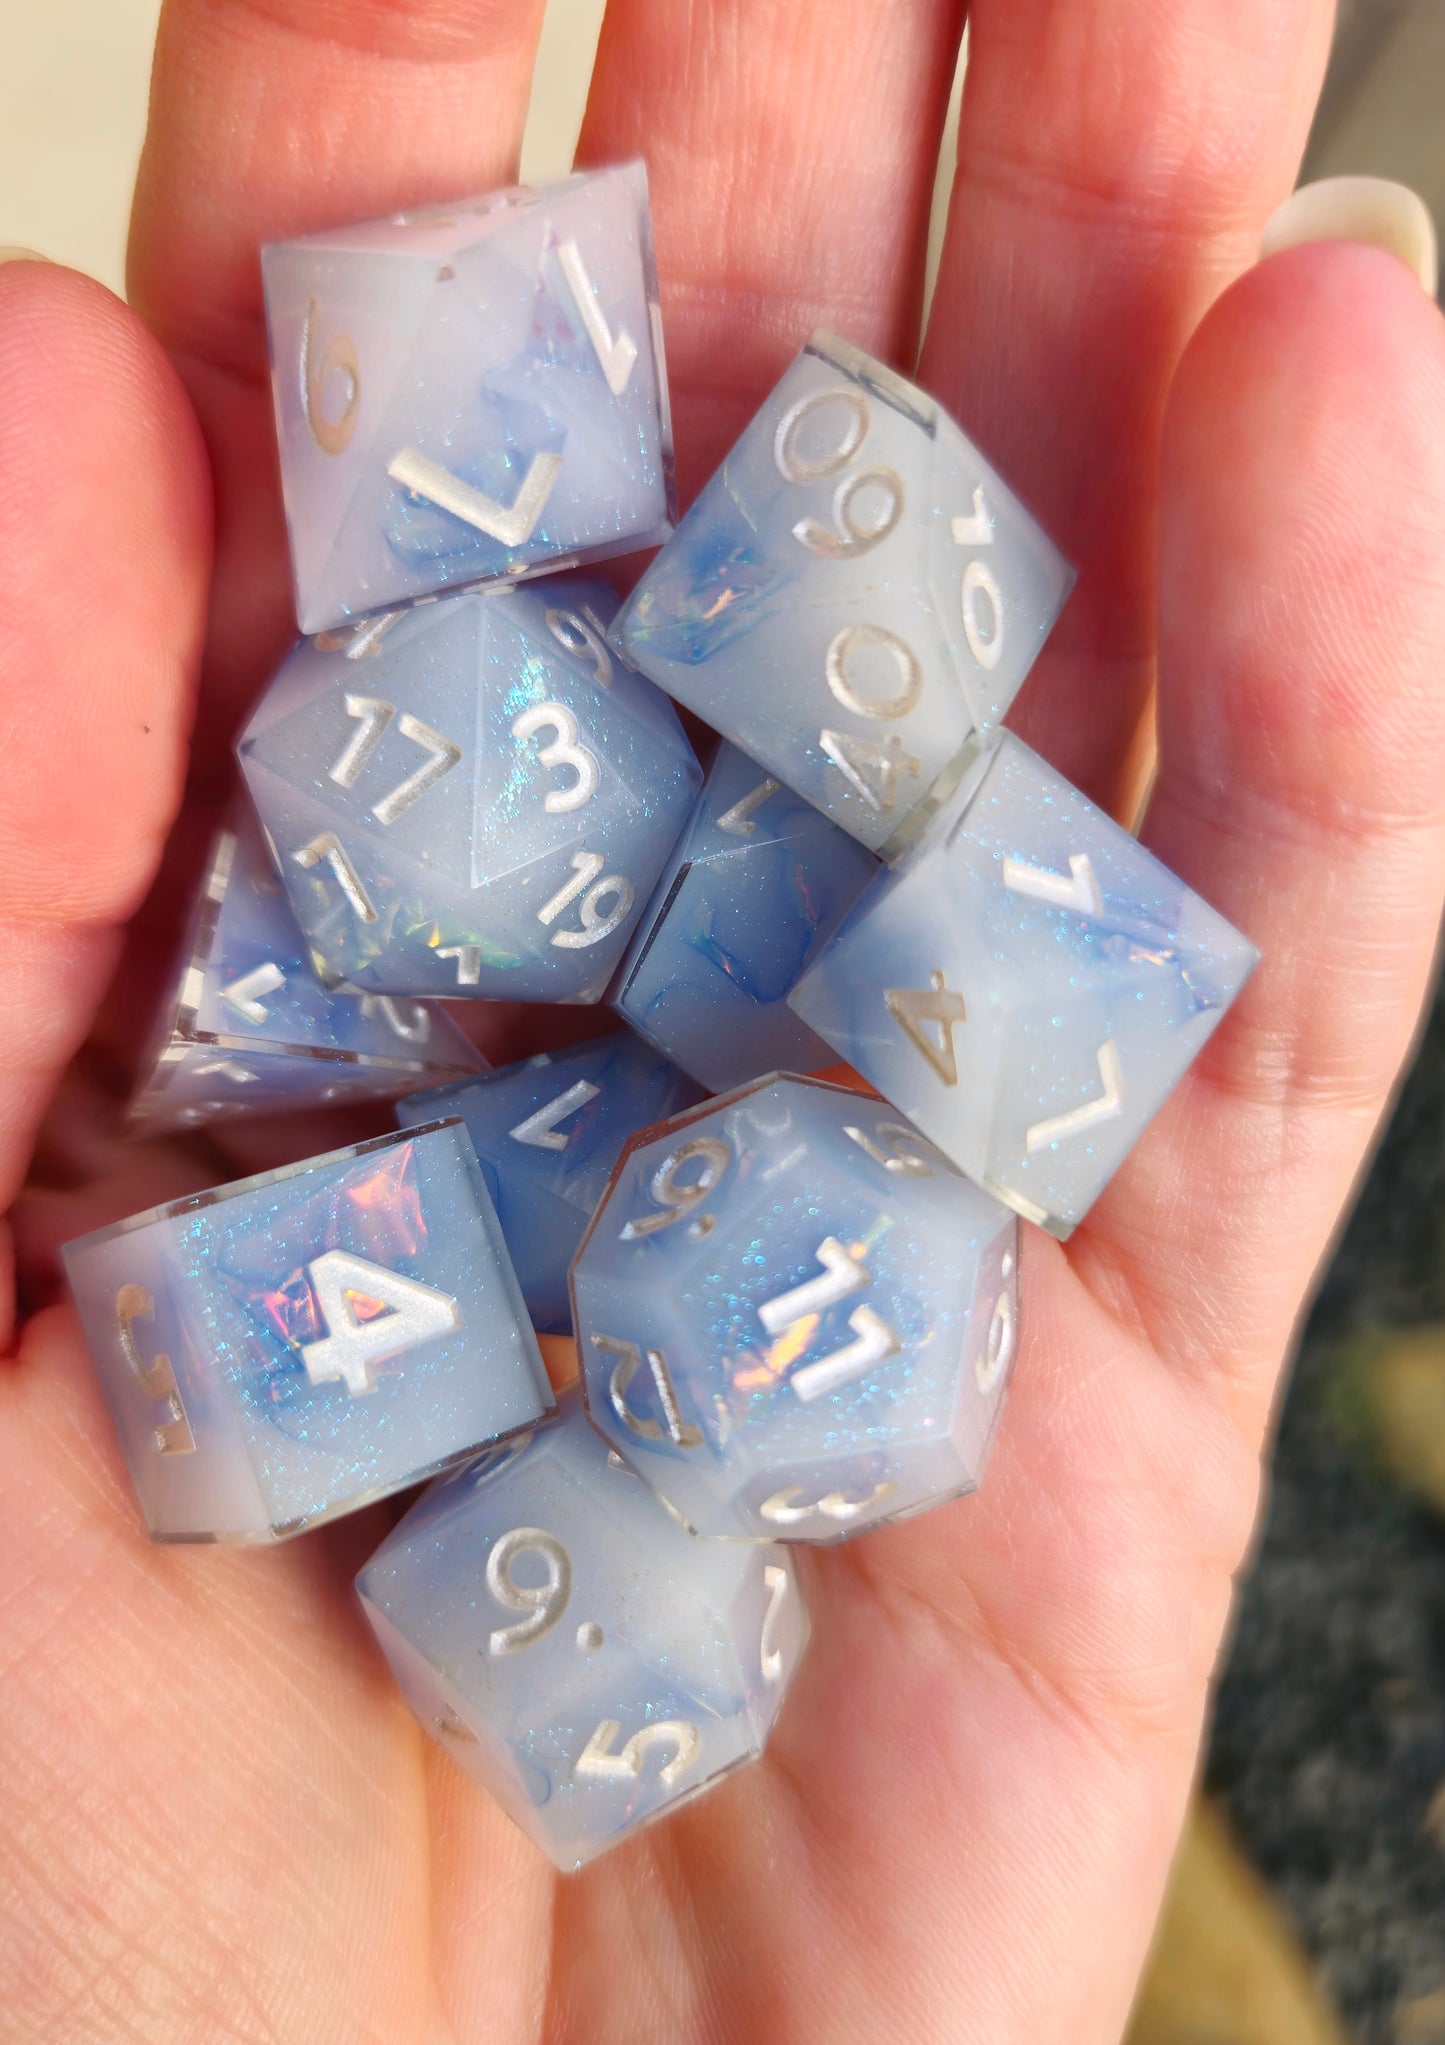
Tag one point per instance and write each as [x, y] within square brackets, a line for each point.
[855, 597]
[469, 391]
[251, 1029]
[794, 1317]
[577, 1650]
[756, 883]
[1027, 987]
[286, 1349]
[548, 1131]
[472, 797]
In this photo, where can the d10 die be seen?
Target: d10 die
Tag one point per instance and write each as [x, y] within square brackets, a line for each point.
[548, 1131]
[1027, 987]
[855, 597]
[794, 1317]
[289, 1348]
[252, 1030]
[757, 882]
[586, 1658]
[469, 391]
[471, 797]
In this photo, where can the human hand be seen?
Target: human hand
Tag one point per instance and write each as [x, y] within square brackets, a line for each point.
[218, 1819]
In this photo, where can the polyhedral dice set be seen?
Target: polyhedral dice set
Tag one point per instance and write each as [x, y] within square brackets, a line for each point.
[795, 1302]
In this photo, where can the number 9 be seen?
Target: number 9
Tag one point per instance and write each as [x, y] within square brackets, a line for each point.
[544, 1603]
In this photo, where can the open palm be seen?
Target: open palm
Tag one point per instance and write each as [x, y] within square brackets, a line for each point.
[217, 1820]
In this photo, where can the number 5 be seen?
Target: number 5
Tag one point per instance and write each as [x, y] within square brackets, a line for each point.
[597, 1759]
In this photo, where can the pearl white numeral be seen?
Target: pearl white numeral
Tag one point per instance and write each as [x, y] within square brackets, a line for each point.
[682, 1433]
[469, 962]
[978, 581]
[618, 357]
[738, 820]
[677, 1202]
[782, 1511]
[328, 847]
[543, 1603]
[511, 524]
[352, 1346]
[776, 1580]
[338, 358]
[173, 1437]
[1079, 1120]
[598, 1759]
[242, 994]
[415, 1028]
[587, 866]
[564, 751]
[855, 758]
[540, 1127]
[900, 1155]
[874, 1341]
[912, 1007]
[1080, 891]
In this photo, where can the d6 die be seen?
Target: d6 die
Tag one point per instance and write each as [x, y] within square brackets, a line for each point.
[252, 1029]
[1027, 987]
[469, 391]
[289, 1348]
[471, 797]
[756, 883]
[548, 1131]
[579, 1652]
[855, 597]
[794, 1317]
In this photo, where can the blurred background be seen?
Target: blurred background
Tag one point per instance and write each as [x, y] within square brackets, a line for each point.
[1308, 1905]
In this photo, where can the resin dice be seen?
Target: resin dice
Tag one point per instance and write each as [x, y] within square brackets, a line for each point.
[1027, 987]
[794, 1317]
[289, 1348]
[469, 391]
[471, 797]
[548, 1131]
[855, 597]
[756, 883]
[251, 1029]
[578, 1651]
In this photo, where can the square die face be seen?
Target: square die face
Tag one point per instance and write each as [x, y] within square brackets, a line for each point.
[470, 393]
[855, 597]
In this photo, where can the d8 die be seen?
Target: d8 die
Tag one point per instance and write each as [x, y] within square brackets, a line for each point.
[755, 885]
[252, 1029]
[579, 1652]
[289, 1348]
[469, 391]
[548, 1131]
[855, 597]
[794, 1317]
[1027, 988]
[471, 797]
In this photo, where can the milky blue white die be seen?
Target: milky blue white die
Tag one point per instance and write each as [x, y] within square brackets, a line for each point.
[794, 1317]
[471, 797]
[285, 1349]
[572, 1646]
[854, 598]
[1027, 987]
[469, 391]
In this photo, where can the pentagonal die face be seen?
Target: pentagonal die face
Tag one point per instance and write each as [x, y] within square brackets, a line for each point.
[1027, 987]
[472, 797]
[855, 597]
[469, 392]
[548, 1131]
[289, 1348]
[252, 1030]
[586, 1658]
[794, 1317]
[756, 884]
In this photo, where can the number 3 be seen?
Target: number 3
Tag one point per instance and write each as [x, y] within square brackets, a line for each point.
[564, 751]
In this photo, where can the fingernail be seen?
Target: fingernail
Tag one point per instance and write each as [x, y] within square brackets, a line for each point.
[1372, 210]
[19, 255]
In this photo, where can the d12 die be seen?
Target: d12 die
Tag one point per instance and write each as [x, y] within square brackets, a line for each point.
[794, 1317]
[586, 1658]
[548, 1131]
[471, 797]
[855, 597]
[1027, 987]
[289, 1348]
[469, 391]
[757, 882]
[252, 1030]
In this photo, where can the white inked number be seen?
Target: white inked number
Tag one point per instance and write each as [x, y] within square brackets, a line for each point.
[563, 751]
[581, 635]
[978, 581]
[975, 530]
[676, 1199]
[442, 756]
[783, 1512]
[681, 1433]
[598, 1759]
[243, 993]
[899, 1156]
[337, 359]
[360, 641]
[540, 1128]
[776, 1580]
[739, 819]
[172, 1436]
[874, 1341]
[846, 538]
[1079, 892]
[842, 1274]
[1078, 1121]
[469, 962]
[848, 535]
[856, 758]
[341, 1282]
[415, 1028]
[327, 847]
[618, 357]
[512, 524]
[997, 1352]
[595, 925]
[796, 467]
[912, 1007]
[374, 716]
[855, 639]
[543, 1603]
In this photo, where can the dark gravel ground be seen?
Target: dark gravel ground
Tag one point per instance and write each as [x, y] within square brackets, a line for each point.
[1329, 1736]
